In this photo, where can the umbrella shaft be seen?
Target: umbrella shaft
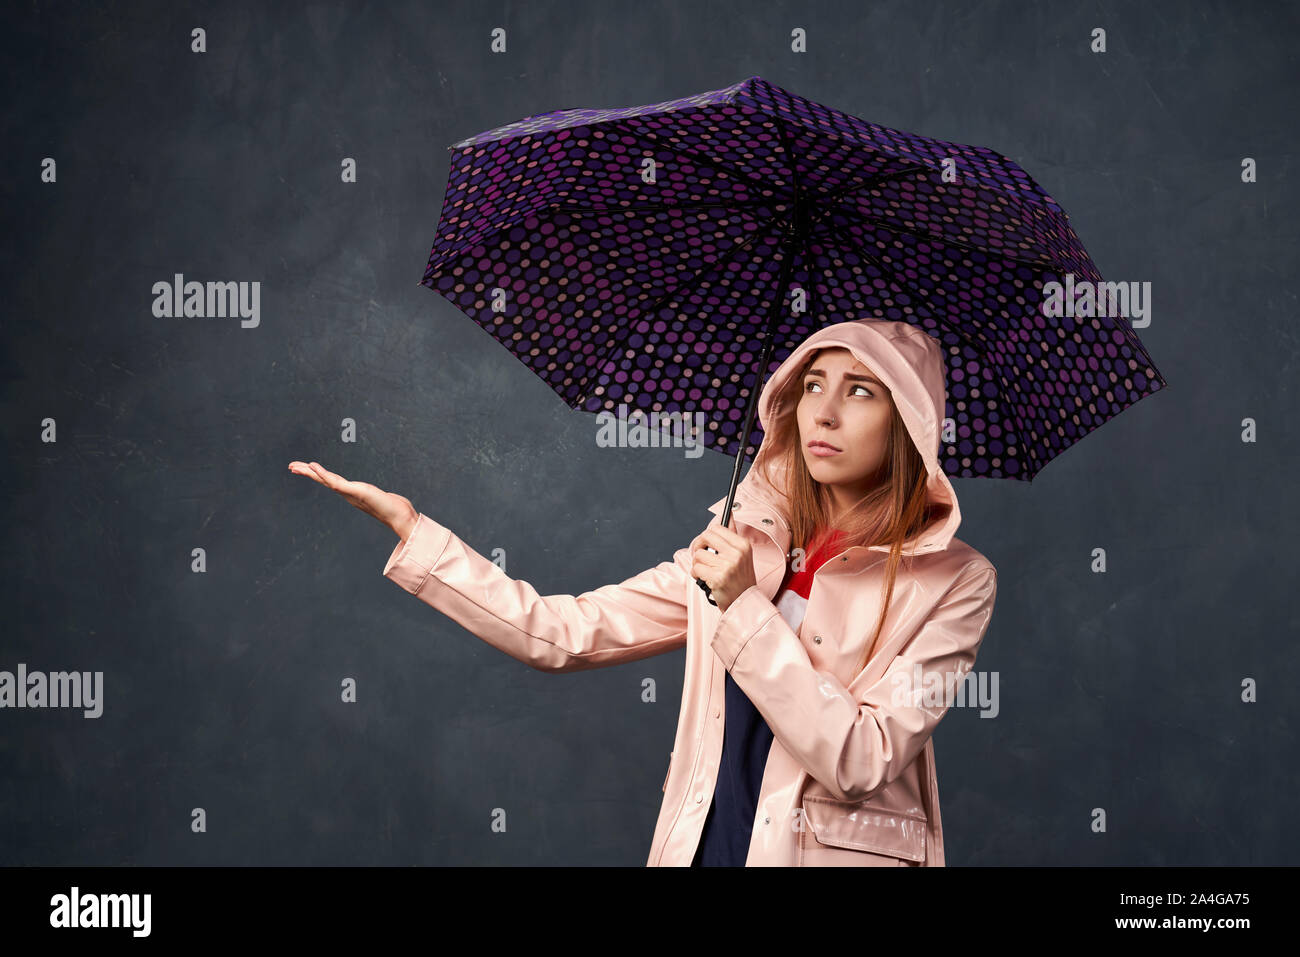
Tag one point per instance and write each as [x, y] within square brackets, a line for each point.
[789, 245]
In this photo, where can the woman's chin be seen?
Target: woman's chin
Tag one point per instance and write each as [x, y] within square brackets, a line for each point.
[820, 467]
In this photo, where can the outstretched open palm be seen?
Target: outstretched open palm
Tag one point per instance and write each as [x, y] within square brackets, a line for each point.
[395, 511]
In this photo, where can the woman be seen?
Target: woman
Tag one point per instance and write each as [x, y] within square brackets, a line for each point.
[846, 614]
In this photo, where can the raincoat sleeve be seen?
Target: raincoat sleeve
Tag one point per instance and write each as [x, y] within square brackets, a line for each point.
[853, 745]
[642, 616]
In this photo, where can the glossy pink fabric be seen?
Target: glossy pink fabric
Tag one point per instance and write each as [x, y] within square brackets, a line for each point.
[850, 779]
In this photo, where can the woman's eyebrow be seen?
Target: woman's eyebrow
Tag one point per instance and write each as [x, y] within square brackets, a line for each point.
[848, 375]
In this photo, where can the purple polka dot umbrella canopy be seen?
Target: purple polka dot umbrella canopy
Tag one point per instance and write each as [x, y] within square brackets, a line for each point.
[667, 257]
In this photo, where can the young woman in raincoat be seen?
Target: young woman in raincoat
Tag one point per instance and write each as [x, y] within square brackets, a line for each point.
[847, 613]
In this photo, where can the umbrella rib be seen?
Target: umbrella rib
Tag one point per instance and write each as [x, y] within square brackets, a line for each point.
[841, 191]
[741, 176]
[656, 207]
[857, 247]
[789, 157]
[686, 287]
[737, 174]
[934, 238]
[820, 198]
[1017, 200]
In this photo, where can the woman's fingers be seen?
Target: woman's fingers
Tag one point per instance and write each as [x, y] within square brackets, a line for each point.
[727, 535]
[326, 476]
[313, 470]
[708, 564]
[365, 496]
[718, 543]
[331, 480]
[321, 474]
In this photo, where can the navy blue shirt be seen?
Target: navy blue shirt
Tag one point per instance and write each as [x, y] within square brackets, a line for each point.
[746, 739]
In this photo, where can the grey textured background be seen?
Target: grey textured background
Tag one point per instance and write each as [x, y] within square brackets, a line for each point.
[1119, 691]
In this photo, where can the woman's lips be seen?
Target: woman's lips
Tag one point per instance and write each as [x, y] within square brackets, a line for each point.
[823, 450]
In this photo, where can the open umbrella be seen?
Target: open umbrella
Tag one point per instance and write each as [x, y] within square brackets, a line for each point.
[667, 256]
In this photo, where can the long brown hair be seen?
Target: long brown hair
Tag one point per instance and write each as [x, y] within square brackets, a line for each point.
[894, 510]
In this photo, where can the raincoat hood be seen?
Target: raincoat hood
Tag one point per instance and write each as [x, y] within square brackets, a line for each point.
[910, 362]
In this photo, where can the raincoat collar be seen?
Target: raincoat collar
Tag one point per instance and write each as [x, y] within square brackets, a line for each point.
[910, 363]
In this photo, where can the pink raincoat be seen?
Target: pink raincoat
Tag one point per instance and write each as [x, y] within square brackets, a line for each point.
[850, 777]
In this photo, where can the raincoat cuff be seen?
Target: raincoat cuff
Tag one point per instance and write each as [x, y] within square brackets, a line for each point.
[411, 560]
[744, 618]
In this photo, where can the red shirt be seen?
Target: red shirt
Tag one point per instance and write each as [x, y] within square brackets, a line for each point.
[792, 599]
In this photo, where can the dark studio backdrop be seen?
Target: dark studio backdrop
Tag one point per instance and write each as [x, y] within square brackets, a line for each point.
[1128, 690]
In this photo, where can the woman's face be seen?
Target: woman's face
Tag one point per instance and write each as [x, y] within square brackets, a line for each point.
[843, 404]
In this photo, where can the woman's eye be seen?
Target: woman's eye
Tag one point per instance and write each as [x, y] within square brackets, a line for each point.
[808, 387]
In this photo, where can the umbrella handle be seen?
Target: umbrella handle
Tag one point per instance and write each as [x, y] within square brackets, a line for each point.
[700, 581]
[707, 591]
